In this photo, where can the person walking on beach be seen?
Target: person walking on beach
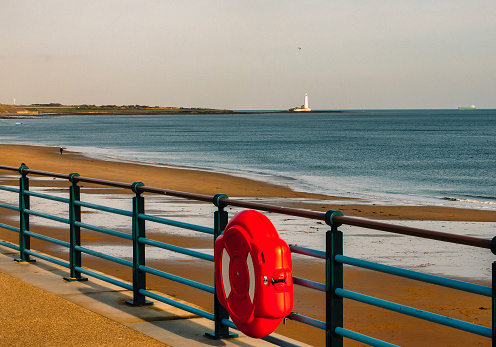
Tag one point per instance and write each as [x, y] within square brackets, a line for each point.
[61, 150]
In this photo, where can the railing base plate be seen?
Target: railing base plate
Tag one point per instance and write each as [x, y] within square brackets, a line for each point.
[211, 335]
[24, 260]
[145, 303]
[74, 279]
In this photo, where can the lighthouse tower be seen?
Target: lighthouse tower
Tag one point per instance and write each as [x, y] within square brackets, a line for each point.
[303, 107]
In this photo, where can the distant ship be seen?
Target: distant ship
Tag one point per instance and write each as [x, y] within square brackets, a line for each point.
[472, 107]
[302, 108]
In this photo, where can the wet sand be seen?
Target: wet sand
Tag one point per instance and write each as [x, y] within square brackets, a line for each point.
[378, 323]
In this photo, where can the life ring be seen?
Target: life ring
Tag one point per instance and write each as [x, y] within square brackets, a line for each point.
[253, 274]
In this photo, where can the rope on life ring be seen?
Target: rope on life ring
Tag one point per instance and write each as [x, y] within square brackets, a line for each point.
[253, 274]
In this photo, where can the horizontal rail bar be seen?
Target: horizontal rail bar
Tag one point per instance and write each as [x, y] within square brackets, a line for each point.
[178, 279]
[104, 278]
[9, 168]
[46, 196]
[410, 311]
[307, 320]
[9, 245]
[435, 235]
[186, 195]
[176, 249]
[47, 216]
[45, 173]
[47, 238]
[307, 251]
[426, 234]
[104, 208]
[174, 223]
[103, 182]
[47, 258]
[104, 231]
[9, 189]
[104, 256]
[229, 323]
[9, 227]
[271, 208]
[10, 207]
[362, 338]
[178, 194]
[309, 284]
[441, 281]
[177, 304]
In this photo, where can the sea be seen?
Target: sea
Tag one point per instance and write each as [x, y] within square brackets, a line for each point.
[391, 157]
[440, 157]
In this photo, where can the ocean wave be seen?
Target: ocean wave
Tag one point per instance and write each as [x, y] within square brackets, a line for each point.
[472, 201]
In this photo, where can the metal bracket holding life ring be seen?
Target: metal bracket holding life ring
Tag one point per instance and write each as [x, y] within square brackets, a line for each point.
[253, 274]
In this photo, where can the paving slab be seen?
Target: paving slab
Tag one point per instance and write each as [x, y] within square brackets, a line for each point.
[162, 322]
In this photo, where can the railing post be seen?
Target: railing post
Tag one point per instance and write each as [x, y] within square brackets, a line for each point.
[220, 313]
[75, 231]
[494, 304]
[334, 280]
[139, 276]
[24, 240]
[493, 296]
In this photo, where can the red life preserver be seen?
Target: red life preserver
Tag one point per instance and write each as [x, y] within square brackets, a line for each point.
[253, 274]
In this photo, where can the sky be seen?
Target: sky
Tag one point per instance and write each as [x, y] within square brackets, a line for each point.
[245, 54]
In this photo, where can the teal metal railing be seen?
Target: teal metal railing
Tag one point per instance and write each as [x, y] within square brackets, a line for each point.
[333, 256]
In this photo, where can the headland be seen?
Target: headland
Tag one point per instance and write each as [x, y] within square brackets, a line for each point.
[56, 109]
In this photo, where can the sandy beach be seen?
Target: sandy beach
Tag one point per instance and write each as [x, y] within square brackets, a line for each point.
[378, 323]
[211, 183]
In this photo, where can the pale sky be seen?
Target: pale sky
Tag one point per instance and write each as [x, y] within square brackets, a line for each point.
[244, 54]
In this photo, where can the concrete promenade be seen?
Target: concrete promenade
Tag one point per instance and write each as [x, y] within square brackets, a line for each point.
[39, 308]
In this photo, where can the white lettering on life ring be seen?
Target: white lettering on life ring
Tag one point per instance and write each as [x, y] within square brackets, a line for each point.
[225, 272]
[251, 273]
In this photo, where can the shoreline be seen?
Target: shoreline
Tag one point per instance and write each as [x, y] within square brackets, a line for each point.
[368, 182]
[47, 158]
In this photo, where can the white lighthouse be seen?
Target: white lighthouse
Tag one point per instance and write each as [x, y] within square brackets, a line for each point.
[305, 104]
[303, 107]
